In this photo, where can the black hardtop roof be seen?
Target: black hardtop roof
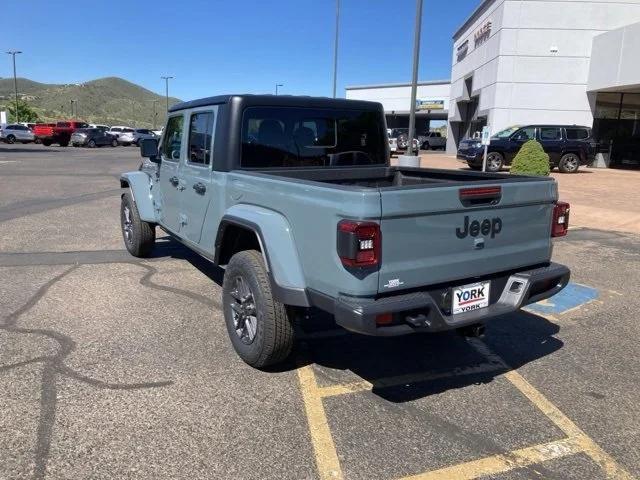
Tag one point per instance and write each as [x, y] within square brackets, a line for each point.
[278, 101]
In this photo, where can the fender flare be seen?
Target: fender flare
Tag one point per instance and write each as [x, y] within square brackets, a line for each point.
[278, 249]
[139, 184]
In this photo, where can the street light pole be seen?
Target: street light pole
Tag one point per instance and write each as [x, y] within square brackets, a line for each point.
[278, 85]
[13, 53]
[71, 118]
[155, 113]
[166, 83]
[414, 80]
[335, 49]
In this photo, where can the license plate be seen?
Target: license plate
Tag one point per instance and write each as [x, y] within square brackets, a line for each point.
[470, 297]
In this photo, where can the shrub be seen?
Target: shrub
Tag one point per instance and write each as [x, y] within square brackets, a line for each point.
[531, 160]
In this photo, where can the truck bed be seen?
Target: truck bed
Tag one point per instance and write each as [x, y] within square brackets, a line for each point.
[388, 178]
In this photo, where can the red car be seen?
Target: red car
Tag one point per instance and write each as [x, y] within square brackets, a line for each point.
[59, 132]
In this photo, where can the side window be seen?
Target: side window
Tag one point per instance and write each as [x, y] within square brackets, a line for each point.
[576, 133]
[524, 134]
[172, 141]
[550, 133]
[200, 134]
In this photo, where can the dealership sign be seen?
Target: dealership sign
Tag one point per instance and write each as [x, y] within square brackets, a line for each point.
[482, 33]
[429, 104]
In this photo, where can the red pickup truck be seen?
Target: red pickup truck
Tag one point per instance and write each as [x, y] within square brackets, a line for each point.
[59, 132]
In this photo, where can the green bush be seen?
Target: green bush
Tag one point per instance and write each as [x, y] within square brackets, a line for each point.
[531, 160]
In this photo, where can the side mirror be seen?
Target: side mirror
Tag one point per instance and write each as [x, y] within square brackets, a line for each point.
[149, 149]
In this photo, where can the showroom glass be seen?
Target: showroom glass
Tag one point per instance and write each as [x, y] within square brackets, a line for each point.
[200, 134]
[172, 141]
[550, 133]
[307, 137]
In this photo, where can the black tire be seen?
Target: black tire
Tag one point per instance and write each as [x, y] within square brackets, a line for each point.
[569, 163]
[11, 139]
[138, 235]
[47, 143]
[91, 143]
[426, 146]
[64, 144]
[272, 329]
[495, 161]
[126, 144]
[37, 141]
[114, 143]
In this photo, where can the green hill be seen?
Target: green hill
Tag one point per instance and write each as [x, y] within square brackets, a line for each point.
[110, 101]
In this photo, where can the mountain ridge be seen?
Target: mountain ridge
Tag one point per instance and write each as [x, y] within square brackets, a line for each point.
[108, 100]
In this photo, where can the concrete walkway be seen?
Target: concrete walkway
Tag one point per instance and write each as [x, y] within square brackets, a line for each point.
[600, 198]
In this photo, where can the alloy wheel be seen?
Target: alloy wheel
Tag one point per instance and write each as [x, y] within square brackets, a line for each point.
[243, 306]
[127, 224]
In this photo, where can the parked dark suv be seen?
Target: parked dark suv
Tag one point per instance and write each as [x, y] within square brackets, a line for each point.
[568, 146]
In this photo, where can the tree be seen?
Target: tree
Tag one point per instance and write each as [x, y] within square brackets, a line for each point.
[531, 160]
[26, 113]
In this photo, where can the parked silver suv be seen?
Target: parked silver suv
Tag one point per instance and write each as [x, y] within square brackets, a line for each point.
[16, 133]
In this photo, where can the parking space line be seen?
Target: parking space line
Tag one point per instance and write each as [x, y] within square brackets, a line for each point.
[577, 441]
[553, 413]
[397, 380]
[325, 450]
[503, 462]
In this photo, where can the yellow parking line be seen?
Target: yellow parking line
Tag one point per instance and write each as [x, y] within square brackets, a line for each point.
[503, 462]
[602, 458]
[409, 378]
[325, 450]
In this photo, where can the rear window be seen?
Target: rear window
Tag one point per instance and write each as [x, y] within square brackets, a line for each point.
[127, 130]
[143, 130]
[308, 137]
[577, 133]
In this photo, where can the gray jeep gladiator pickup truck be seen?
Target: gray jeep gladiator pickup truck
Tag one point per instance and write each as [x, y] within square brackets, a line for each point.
[296, 199]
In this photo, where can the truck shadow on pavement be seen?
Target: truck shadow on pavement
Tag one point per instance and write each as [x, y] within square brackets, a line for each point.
[406, 368]
[402, 369]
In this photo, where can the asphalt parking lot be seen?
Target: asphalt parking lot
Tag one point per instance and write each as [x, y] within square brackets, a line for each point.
[114, 367]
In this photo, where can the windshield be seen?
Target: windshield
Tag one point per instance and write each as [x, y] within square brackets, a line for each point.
[506, 132]
[306, 137]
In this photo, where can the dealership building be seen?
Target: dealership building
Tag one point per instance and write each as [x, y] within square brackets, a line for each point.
[518, 62]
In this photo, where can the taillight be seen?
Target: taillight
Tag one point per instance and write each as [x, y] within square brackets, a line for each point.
[560, 224]
[359, 243]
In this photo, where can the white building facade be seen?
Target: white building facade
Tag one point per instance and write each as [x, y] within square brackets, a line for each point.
[547, 61]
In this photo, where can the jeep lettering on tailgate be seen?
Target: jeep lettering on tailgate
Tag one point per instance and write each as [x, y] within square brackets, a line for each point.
[486, 227]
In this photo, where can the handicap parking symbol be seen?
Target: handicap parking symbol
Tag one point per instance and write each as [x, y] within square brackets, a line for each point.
[572, 296]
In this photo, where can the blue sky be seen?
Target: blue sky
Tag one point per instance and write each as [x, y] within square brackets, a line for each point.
[237, 46]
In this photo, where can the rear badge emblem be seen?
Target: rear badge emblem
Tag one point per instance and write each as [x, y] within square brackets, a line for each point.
[393, 283]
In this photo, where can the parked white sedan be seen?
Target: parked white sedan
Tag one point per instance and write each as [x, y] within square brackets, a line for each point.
[16, 133]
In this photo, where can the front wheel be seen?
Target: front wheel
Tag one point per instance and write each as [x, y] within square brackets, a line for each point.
[259, 327]
[139, 236]
[11, 139]
[64, 144]
[114, 143]
[47, 143]
[569, 163]
[91, 144]
[494, 162]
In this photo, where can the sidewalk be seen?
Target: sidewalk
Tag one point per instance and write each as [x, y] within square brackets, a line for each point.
[600, 198]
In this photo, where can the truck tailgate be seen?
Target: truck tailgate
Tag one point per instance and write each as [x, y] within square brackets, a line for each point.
[438, 234]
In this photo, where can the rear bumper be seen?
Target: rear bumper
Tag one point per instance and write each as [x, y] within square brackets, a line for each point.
[429, 310]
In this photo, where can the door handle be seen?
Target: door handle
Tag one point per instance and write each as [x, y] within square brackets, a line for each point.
[174, 181]
[199, 188]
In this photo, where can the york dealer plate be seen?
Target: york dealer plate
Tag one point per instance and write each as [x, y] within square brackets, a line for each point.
[470, 297]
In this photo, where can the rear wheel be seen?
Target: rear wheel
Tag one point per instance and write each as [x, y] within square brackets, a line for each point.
[259, 327]
[569, 163]
[64, 144]
[139, 236]
[91, 143]
[47, 143]
[495, 161]
[11, 139]
[37, 141]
